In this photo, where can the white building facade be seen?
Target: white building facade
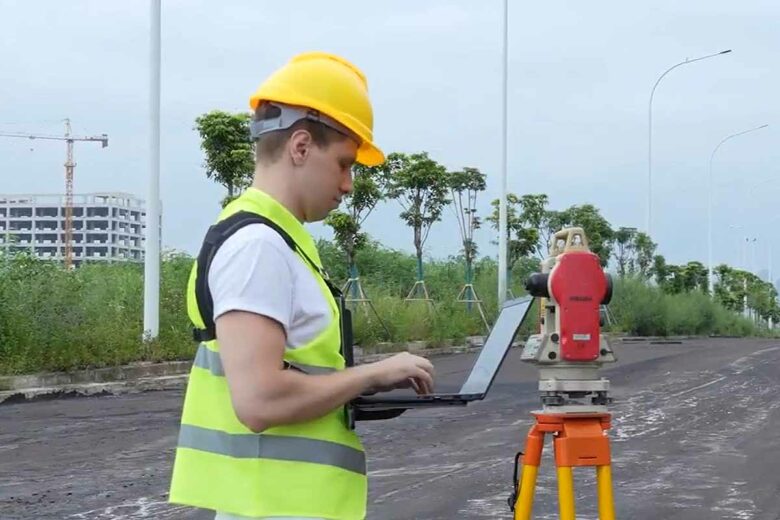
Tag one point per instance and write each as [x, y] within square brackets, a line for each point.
[106, 226]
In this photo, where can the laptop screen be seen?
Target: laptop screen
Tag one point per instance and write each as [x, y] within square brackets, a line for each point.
[496, 346]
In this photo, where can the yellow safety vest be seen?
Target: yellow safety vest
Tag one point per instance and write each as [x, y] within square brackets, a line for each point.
[311, 469]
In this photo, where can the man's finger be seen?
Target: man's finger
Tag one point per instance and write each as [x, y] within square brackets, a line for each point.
[425, 381]
[426, 365]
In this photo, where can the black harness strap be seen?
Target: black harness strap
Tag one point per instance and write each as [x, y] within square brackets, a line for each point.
[215, 237]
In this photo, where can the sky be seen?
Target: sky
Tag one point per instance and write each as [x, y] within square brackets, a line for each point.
[579, 81]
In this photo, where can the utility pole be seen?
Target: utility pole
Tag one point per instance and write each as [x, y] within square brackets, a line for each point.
[69, 167]
[152, 238]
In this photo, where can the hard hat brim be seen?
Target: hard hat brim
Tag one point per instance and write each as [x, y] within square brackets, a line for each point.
[369, 155]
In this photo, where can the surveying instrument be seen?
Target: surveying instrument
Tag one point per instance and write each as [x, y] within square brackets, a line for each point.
[569, 350]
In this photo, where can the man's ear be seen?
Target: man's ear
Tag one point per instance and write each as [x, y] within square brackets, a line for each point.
[298, 146]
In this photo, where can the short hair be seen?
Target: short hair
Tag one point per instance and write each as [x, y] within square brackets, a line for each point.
[269, 146]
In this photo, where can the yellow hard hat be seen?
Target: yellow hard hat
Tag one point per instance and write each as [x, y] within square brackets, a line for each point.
[333, 87]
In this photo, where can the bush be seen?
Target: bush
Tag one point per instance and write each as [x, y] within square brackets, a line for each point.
[52, 319]
[643, 310]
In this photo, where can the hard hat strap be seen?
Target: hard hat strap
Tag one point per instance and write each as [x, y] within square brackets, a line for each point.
[287, 115]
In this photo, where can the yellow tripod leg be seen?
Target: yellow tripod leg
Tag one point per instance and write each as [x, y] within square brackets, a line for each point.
[606, 503]
[525, 499]
[532, 459]
[566, 493]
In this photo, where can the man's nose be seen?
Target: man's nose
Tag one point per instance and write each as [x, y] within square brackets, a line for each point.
[346, 183]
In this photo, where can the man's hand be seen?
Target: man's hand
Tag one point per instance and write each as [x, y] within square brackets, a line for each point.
[403, 370]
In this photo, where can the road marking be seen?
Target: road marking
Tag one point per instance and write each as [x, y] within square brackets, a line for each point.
[487, 464]
[737, 362]
[139, 508]
[705, 385]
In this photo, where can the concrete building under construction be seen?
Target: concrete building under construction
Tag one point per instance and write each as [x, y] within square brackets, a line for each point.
[106, 226]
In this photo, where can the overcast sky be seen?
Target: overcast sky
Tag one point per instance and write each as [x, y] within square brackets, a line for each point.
[580, 77]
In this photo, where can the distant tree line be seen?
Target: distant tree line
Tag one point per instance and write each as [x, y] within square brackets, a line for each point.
[423, 188]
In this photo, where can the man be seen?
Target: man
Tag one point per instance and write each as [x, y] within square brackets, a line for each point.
[265, 432]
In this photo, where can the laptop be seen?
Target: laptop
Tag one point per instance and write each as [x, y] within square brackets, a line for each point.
[484, 371]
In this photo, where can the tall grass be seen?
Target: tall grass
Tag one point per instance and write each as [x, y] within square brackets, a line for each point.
[54, 320]
[644, 310]
[51, 319]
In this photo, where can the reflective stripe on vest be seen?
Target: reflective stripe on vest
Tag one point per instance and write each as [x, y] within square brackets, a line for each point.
[210, 360]
[260, 446]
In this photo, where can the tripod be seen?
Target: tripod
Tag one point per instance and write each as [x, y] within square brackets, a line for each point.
[569, 351]
[580, 440]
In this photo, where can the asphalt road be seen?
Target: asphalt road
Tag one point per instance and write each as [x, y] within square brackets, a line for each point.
[696, 435]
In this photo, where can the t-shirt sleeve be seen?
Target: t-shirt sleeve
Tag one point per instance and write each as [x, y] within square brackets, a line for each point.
[250, 273]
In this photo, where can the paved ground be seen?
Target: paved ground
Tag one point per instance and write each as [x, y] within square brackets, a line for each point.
[696, 436]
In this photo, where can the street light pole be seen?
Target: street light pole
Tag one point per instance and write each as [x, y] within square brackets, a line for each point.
[769, 279]
[709, 203]
[502, 209]
[152, 236]
[649, 223]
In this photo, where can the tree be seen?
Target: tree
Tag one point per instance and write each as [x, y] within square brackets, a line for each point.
[633, 252]
[694, 277]
[514, 247]
[676, 279]
[367, 191]
[660, 270]
[675, 283]
[729, 288]
[526, 216]
[466, 184]
[747, 288]
[624, 250]
[420, 185]
[533, 217]
[644, 248]
[226, 141]
[763, 299]
[552, 222]
[598, 230]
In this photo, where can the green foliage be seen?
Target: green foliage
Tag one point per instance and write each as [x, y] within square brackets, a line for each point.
[528, 222]
[226, 142]
[367, 190]
[735, 288]
[464, 187]
[677, 279]
[597, 228]
[660, 270]
[624, 244]
[644, 310]
[420, 185]
[644, 248]
[52, 319]
[526, 218]
[87, 317]
[633, 252]
[346, 231]
[92, 316]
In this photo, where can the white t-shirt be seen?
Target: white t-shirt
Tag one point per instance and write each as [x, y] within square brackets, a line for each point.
[256, 271]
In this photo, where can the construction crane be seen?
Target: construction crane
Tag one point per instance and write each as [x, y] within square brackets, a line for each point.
[69, 166]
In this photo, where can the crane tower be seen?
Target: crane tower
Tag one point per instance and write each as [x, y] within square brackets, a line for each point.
[69, 167]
